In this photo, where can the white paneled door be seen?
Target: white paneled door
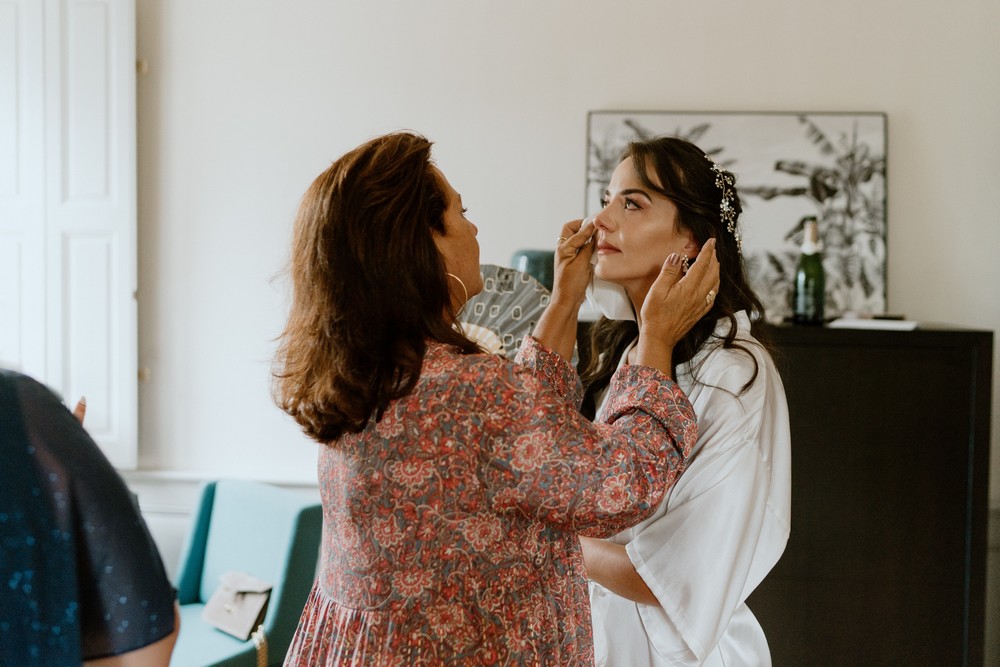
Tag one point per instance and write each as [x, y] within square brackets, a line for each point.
[68, 206]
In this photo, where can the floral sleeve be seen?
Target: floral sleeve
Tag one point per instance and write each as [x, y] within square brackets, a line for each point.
[544, 459]
[552, 368]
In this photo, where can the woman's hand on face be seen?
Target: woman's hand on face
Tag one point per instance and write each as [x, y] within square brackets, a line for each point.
[675, 302]
[556, 328]
[572, 263]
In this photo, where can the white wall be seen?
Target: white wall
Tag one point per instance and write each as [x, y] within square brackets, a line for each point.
[244, 103]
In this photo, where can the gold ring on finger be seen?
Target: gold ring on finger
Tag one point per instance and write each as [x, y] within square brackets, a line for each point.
[710, 296]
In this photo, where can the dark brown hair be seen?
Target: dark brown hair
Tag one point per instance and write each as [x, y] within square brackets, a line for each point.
[369, 287]
[687, 179]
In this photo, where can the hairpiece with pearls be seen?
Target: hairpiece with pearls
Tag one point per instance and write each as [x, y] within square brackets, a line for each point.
[725, 182]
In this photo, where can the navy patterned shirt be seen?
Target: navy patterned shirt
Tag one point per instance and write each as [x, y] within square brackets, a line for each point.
[80, 576]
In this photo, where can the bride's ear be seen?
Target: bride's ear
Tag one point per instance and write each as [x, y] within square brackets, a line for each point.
[691, 245]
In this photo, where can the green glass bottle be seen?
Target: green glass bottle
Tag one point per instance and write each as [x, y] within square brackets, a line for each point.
[808, 291]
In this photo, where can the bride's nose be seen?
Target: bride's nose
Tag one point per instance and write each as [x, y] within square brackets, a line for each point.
[603, 222]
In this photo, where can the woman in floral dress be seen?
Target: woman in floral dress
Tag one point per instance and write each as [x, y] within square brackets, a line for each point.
[454, 483]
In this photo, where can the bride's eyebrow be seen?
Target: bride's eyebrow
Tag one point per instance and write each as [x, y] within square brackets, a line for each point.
[633, 191]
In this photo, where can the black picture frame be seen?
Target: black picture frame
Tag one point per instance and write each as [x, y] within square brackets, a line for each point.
[788, 166]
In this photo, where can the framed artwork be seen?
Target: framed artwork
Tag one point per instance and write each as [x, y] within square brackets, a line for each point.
[788, 167]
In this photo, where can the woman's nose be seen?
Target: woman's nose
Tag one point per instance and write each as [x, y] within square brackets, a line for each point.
[603, 221]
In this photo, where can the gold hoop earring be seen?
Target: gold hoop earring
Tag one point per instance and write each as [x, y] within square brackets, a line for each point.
[452, 275]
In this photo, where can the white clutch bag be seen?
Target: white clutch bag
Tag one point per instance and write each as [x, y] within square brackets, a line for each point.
[238, 605]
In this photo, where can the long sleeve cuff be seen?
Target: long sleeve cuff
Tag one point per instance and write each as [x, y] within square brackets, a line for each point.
[552, 368]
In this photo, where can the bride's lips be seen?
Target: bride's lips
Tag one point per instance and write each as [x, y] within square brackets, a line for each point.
[605, 248]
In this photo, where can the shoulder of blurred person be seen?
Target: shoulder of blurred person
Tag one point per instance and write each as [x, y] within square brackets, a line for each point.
[85, 579]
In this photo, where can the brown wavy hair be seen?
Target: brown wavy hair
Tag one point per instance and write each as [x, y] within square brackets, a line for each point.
[369, 287]
[688, 181]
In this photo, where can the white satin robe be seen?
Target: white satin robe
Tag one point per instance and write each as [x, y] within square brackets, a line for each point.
[719, 531]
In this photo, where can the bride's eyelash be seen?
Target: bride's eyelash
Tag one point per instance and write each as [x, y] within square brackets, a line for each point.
[629, 203]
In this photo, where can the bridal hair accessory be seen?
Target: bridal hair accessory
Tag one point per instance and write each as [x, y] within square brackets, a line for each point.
[725, 181]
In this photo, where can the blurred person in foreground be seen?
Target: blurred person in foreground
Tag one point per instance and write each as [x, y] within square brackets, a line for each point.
[83, 581]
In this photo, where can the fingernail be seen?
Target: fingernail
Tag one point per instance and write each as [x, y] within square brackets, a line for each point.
[674, 258]
[712, 241]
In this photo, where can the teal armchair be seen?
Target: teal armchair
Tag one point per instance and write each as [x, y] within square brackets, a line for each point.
[260, 529]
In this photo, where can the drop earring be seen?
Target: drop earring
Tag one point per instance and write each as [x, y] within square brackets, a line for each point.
[685, 263]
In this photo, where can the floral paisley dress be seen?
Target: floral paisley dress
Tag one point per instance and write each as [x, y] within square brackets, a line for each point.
[450, 525]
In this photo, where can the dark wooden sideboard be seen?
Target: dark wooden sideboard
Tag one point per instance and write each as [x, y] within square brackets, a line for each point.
[886, 564]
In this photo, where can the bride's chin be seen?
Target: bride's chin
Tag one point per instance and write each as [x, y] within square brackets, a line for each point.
[609, 276]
